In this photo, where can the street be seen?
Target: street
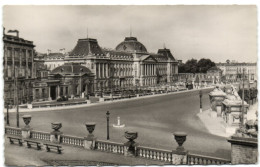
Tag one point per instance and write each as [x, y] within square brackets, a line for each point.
[155, 119]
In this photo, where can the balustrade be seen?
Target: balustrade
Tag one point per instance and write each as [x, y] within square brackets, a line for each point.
[155, 154]
[113, 147]
[40, 135]
[13, 131]
[194, 159]
[72, 140]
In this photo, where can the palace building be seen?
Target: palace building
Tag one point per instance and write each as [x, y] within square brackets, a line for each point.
[128, 65]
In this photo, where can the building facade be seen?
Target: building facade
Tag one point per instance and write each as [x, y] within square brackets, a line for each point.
[127, 66]
[233, 71]
[130, 64]
[19, 71]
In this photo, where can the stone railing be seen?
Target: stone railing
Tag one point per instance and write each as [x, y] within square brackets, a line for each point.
[72, 140]
[195, 159]
[13, 131]
[155, 154]
[130, 148]
[40, 135]
[109, 146]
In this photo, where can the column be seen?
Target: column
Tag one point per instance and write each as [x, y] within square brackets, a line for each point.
[58, 91]
[99, 70]
[103, 70]
[142, 69]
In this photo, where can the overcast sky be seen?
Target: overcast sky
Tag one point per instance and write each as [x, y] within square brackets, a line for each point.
[215, 32]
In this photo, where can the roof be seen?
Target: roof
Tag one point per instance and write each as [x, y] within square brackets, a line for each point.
[131, 44]
[166, 52]
[54, 56]
[86, 47]
[215, 68]
[70, 68]
[17, 40]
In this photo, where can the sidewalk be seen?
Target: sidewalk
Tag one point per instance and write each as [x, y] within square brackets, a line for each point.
[102, 103]
[22, 156]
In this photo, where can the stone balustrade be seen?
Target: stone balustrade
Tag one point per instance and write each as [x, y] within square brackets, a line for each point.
[155, 154]
[40, 135]
[195, 159]
[109, 146]
[72, 140]
[130, 148]
[13, 131]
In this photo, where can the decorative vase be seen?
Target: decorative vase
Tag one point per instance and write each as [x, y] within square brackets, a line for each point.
[130, 135]
[56, 126]
[27, 120]
[90, 127]
[180, 138]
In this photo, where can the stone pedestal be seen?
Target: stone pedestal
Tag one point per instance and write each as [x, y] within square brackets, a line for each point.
[137, 95]
[217, 96]
[55, 137]
[153, 93]
[243, 150]
[88, 101]
[89, 142]
[219, 110]
[130, 148]
[179, 157]
[29, 106]
[101, 99]
[26, 133]
[110, 95]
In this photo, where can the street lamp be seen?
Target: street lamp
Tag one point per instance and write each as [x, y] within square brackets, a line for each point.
[200, 94]
[243, 97]
[107, 114]
[7, 114]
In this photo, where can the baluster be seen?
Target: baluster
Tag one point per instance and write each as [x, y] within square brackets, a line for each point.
[154, 154]
[169, 157]
[165, 157]
[151, 154]
[158, 155]
[161, 156]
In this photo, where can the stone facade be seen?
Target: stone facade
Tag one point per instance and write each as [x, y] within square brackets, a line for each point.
[243, 150]
[128, 65]
[233, 70]
[19, 70]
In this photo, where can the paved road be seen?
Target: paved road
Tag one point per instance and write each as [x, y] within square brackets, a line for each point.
[155, 119]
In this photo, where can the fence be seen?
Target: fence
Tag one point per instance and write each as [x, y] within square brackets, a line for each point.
[195, 159]
[119, 148]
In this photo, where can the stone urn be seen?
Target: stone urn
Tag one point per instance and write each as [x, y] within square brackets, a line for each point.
[180, 138]
[131, 145]
[130, 135]
[56, 126]
[90, 126]
[27, 120]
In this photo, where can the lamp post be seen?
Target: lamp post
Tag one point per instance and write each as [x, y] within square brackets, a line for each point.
[107, 114]
[200, 94]
[243, 97]
[7, 114]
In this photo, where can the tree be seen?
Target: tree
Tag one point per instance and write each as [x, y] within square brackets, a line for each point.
[194, 66]
[205, 64]
[191, 66]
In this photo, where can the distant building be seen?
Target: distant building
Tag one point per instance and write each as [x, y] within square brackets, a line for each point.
[52, 60]
[19, 71]
[214, 74]
[233, 71]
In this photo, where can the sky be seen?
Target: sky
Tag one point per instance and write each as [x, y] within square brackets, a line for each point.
[215, 32]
